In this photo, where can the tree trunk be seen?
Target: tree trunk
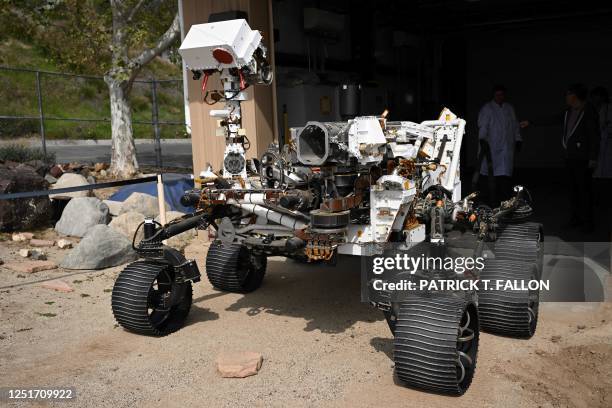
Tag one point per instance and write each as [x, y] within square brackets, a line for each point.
[123, 156]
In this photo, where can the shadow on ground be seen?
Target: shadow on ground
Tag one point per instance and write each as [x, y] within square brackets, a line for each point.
[327, 297]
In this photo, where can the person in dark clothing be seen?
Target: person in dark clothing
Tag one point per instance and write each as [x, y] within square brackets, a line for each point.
[580, 139]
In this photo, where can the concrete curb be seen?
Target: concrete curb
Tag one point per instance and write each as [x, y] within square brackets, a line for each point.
[88, 142]
[107, 142]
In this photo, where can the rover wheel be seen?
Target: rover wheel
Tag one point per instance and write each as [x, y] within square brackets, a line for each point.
[436, 344]
[232, 268]
[522, 241]
[147, 300]
[512, 313]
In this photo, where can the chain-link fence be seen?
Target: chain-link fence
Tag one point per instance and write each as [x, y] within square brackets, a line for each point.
[51, 106]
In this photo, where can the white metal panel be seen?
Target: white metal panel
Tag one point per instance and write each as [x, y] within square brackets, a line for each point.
[234, 36]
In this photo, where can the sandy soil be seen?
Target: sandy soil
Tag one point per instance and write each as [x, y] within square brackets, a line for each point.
[321, 347]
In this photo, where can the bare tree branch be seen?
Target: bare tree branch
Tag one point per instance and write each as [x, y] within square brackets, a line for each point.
[163, 43]
[135, 10]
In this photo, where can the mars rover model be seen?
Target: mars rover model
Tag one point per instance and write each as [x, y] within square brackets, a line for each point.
[339, 188]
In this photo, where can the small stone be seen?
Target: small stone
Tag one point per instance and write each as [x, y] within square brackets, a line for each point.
[581, 327]
[50, 179]
[1, 262]
[103, 173]
[101, 166]
[38, 255]
[31, 266]
[58, 285]
[238, 364]
[540, 352]
[41, 243]
[22, 236]
[64, 244]
[25, 252]
[56, 171]
[555, 339]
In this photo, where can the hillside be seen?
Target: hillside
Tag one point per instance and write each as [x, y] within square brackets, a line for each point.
[86, 98]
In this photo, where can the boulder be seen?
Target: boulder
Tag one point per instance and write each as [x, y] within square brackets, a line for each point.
[143, 203]
[23, 213]
[102, 247]
[80, 215]
[114, 207]
[71, 180]
[239, 364]
[127, 223]
[39, 166]
[182, 240]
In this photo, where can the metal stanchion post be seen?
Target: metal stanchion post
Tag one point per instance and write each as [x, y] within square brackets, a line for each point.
[155, 120]
[41, 114]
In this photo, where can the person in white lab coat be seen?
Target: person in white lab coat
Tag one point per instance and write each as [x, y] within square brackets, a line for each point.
[499, 135]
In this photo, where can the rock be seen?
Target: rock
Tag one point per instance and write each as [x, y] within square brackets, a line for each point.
[581, 327]
[91, 179]
[25, 252]
[38, 255]
[41, 243]
[23, 213]
[58, 285]
[101, 166]
[56, 171]
[238, 364]
[64, 244]
[50, 179]
[39, 166]
[143, 203]
[22, 236]
[127, 223]
[102, 247]
[1, 262]
[182, 240]
[114, 207]
[71, 180]
[80, 215]
[31, 266]
[103, 173]
[555, 338]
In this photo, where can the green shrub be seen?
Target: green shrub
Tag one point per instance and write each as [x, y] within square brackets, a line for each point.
[21, 154]
[12, 128]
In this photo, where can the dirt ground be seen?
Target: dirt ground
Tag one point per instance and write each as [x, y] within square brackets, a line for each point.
[321, 346]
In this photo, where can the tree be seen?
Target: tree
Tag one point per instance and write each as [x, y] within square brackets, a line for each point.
[114, 37]
[120, 78]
